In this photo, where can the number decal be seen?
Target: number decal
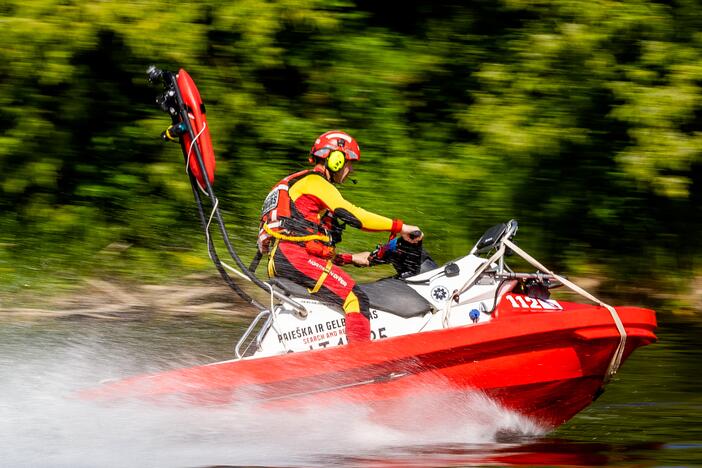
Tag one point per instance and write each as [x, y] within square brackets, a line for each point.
[522, 302]
[532, 303]
[550, 304]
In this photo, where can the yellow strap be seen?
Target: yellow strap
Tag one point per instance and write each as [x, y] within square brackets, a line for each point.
[351, 304]
[278, 235]
[271, 264]
[322, 277]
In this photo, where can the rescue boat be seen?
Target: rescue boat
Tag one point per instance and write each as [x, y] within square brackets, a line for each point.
[473, 325]
[499, 335]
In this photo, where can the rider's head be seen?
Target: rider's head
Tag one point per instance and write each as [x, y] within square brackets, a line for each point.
[336, 151]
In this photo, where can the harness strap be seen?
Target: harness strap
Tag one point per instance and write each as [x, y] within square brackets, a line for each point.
[322, 277]
[285, 237]
[271, 263]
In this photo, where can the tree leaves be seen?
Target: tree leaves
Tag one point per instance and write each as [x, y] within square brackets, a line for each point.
[577, 117]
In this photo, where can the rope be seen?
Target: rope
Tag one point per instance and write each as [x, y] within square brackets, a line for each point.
[209, 221]
[480, 271]
[446, 319]
[616, 361]
[190, 152]
[235, 271]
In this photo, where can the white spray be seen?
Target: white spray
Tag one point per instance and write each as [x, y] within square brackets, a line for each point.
[43, 423]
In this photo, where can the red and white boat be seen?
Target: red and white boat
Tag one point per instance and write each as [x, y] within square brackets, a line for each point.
[542, 358]
[472, 325]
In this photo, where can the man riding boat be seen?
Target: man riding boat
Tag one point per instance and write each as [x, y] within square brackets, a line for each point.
[302, 220]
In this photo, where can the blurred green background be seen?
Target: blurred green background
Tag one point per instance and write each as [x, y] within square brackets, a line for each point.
[582, 119]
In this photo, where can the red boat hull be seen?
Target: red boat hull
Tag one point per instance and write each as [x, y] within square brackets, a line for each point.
[545, 365]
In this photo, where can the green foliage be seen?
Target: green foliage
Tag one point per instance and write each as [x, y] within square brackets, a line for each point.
[581, 119]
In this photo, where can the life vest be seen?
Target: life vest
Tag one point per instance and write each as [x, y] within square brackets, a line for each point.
[280, 219]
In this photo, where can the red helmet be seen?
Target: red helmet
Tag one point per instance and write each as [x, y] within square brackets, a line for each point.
[335, 140]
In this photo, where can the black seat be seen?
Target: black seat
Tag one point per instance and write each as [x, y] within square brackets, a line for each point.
[395, 296]
[389, 295]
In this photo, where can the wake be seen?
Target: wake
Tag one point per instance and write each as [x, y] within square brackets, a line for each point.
[44, 423]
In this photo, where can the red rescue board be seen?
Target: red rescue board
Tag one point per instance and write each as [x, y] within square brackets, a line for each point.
[198, 122]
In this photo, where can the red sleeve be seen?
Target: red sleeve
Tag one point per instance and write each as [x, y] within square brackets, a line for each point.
[343, 259]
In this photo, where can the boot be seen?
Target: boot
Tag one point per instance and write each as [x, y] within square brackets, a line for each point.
[357, 328]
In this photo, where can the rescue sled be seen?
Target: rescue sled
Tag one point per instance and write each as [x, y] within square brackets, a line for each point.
[471, 325]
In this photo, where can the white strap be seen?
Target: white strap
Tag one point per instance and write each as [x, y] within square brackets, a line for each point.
[190, 150]
[619, 353]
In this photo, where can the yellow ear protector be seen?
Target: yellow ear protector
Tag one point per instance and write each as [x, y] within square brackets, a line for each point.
[336, 161]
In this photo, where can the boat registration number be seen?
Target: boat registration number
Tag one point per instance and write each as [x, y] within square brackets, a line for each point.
[526, 302]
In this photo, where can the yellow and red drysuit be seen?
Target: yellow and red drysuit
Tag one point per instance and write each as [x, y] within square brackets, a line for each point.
[295, 226]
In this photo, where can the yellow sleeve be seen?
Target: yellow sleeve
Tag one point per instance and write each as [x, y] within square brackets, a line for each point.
[329, 195]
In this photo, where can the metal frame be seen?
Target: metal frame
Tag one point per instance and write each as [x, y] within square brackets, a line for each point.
[259, 336]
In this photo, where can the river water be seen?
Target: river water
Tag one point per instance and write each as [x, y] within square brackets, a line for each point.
[650, 415]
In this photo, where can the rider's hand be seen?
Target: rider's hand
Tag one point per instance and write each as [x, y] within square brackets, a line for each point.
[360, 258]
[409, 233]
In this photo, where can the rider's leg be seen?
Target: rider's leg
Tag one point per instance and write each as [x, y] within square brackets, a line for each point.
[357, 313]
[329, 282]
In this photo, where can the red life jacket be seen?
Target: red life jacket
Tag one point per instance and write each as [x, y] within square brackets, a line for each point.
[280, 219]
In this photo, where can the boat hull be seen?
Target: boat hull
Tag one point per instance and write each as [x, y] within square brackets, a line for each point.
[547, 366]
